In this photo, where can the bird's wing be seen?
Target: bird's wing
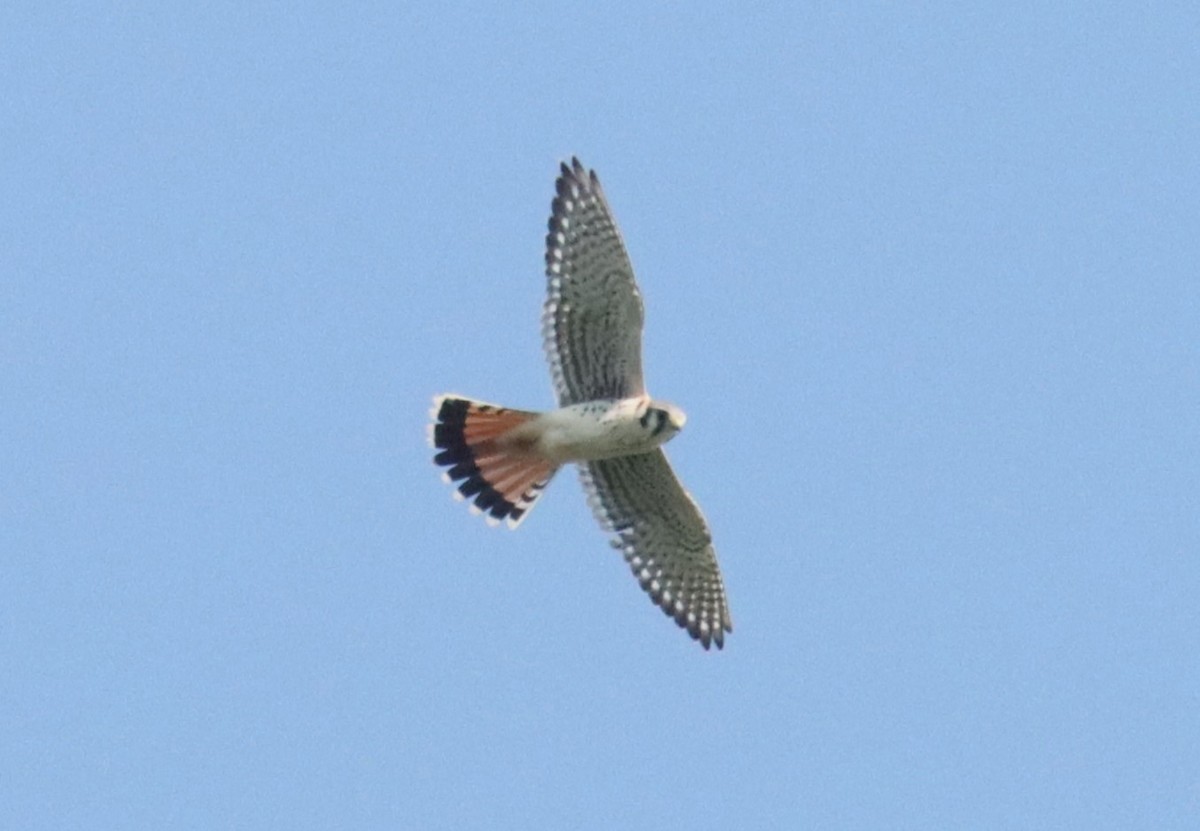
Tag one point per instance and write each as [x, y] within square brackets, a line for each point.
[592, 319]
[659, 528]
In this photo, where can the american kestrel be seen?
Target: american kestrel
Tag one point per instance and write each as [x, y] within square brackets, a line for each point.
[606, 423]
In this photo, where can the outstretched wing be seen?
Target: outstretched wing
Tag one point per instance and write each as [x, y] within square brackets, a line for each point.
[658, 527]
[592, 320]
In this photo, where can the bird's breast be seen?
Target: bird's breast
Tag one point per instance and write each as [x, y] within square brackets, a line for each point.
[594, 430]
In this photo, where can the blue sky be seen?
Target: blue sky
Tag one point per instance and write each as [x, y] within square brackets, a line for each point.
[924, 279]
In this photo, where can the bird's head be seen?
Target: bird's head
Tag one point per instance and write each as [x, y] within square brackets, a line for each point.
[663, 420]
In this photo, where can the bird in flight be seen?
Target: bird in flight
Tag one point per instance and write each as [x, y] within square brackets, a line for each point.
[502, 459]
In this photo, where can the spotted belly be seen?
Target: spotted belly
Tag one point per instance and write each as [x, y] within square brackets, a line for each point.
[595, 430]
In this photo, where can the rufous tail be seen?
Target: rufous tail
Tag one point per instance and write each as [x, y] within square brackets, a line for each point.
[501, 482]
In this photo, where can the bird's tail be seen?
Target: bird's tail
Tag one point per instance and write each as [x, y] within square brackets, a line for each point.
[501, 480]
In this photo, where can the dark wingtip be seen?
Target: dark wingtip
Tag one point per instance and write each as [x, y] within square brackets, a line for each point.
[574, 172]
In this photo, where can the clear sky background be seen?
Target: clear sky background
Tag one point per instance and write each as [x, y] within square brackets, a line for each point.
[925, 281]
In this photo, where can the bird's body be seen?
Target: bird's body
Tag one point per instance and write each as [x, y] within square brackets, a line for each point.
[598, 430]
[502, 459]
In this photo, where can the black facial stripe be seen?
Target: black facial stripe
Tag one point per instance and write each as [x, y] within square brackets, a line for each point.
[661, 424]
